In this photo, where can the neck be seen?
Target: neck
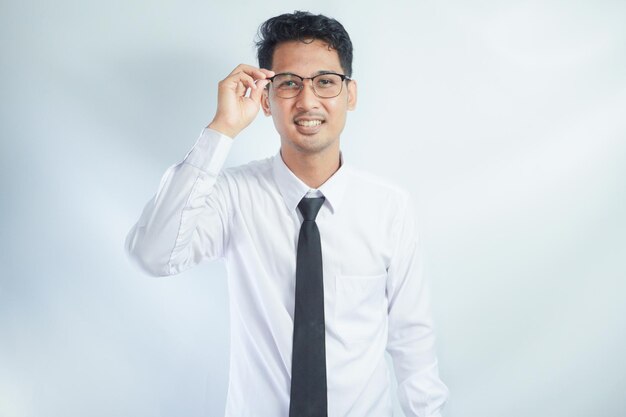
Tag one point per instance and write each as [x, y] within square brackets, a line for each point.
[312, 168]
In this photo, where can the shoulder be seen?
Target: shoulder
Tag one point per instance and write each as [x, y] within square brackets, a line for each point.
[379, 187]
[247, 178]
[384, 200]
[253, 170]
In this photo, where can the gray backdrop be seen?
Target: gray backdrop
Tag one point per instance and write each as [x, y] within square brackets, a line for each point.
[506, 121]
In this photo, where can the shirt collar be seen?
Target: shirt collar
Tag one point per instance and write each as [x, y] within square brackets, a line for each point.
[293, 189]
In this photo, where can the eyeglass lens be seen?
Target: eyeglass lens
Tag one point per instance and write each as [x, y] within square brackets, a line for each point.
[324, 85]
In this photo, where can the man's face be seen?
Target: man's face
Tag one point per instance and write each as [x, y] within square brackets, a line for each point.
[293, 116]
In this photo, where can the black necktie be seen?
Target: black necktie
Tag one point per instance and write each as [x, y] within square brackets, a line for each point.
[308, 367]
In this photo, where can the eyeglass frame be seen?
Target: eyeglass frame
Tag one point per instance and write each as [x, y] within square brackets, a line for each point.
[342, 76]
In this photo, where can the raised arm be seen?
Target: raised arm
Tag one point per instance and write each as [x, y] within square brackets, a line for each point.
[187, 219]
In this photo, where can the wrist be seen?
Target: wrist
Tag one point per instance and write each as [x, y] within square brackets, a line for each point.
[223, 129]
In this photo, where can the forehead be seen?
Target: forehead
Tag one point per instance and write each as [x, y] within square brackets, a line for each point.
[305, 58]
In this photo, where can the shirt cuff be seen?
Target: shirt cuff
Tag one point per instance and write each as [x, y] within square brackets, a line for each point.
[210, 151]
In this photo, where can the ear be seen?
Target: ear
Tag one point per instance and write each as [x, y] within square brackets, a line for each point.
[265, 102]
[352, 94]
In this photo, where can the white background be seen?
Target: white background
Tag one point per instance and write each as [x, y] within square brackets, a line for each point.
[506, 120]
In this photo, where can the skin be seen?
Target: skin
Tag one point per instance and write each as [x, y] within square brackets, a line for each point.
[312, 154]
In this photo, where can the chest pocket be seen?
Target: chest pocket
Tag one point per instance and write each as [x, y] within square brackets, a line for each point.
[361, 306]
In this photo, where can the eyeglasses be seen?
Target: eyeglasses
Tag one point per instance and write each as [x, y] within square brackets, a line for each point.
[325, 85]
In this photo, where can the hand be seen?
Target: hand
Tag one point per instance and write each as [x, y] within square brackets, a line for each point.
[235, 111]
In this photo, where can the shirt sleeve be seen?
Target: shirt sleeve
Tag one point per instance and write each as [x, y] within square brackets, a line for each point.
[187, 219]
[411, 339]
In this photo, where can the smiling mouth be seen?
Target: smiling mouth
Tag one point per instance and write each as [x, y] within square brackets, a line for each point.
[309, 123]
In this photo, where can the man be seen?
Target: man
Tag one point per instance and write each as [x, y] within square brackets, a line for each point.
[323, 261]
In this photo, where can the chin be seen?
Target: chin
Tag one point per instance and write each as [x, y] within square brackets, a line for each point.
[310, 144]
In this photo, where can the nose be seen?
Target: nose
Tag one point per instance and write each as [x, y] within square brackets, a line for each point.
[307, 99]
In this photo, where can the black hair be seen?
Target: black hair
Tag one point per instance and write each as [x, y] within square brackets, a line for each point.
[302, 26]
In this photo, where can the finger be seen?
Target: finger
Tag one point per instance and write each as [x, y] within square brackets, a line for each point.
[254, 72]
[268, 73]
[239, 80]
[241, 89]
[256, 94]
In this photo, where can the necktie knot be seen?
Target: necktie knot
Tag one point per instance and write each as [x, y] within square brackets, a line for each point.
[309, 207]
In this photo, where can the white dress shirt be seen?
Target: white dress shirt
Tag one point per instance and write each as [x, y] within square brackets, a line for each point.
[375, 297]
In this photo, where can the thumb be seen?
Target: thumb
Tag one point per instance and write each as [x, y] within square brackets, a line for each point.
[256, 93]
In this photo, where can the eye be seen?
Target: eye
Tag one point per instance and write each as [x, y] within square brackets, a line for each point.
[325, 82]
[288, 84]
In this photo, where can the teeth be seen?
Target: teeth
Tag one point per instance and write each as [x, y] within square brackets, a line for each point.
[309, 123]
